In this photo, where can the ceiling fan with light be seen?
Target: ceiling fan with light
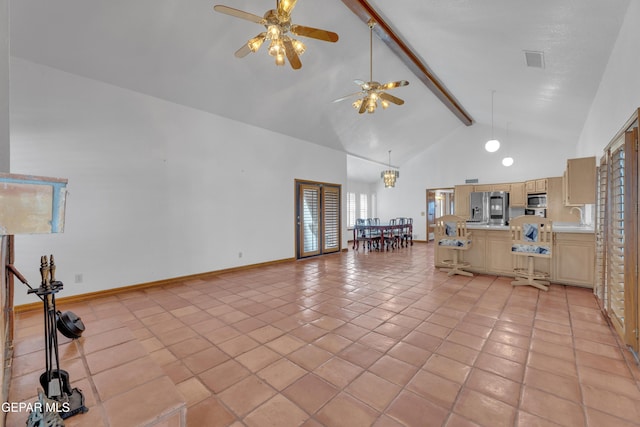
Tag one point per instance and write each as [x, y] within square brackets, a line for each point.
[278, 25]
[373, 91]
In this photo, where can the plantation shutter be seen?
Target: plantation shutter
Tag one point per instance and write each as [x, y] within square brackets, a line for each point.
[616, 238]
[600, 285]
[309, 218]
[331, 211]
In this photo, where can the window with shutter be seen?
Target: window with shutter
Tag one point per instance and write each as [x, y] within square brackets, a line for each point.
[600, 285]
[351, 209]
[364, 208]
[615, 238]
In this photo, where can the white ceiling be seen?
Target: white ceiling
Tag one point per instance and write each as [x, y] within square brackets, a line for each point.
[182, 51]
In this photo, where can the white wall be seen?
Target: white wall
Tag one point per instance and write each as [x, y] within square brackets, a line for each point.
[462, 156]
[156, 190]
[618, 95]
[4, 86]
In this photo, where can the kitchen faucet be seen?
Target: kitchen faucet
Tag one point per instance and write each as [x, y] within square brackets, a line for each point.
[581, 214]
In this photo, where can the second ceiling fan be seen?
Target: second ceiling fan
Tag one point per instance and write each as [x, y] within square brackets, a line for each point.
[372, 91]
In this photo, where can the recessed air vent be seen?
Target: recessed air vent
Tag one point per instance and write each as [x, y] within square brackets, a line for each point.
[534, 58]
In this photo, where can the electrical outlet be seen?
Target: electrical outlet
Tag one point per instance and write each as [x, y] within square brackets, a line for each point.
[78, 278]
[239, 254]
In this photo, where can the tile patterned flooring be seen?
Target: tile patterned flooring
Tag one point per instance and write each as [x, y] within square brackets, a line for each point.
[352, 339]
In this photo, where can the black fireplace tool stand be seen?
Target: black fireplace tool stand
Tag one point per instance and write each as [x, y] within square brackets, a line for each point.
[55, 381]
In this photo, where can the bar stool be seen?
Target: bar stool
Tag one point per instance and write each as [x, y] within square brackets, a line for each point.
[532, 237]
[451, 233]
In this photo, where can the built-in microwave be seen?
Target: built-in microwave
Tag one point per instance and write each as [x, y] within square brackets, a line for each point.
[537, 200]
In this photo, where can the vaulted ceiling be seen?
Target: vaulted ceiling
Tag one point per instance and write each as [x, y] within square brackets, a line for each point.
[183, 52]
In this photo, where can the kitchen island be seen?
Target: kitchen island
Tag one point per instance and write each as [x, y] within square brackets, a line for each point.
[572, 263]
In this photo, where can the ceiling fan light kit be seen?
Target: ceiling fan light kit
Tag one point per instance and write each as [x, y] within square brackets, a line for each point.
[278, 24]
[372, 91]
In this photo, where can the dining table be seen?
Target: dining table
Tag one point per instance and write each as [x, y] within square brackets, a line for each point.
[367, 232]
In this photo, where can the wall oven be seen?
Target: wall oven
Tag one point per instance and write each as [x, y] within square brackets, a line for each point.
[537, 200]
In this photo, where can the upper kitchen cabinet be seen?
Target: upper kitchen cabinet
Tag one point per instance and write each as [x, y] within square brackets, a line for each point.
[492, 187]
[518, 195]
[580, 181]
[536, 186]
[462, 199]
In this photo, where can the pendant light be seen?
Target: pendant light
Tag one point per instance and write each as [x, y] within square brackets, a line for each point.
[389, 176]
[507, 160]
[493, 144]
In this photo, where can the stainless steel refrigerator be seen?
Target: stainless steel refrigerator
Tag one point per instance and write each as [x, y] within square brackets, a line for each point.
[489, 207]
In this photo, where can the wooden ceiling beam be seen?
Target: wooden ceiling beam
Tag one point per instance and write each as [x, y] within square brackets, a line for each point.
[390, 37]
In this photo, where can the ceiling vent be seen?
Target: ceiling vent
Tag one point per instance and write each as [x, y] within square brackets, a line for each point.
[534, 58]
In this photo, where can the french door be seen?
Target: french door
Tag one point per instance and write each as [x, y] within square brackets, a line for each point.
[318, 226]
[617, 234]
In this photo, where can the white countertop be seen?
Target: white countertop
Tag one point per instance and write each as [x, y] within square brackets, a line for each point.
[558, 227]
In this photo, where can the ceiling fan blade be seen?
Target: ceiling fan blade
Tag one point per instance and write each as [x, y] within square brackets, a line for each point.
[292, 55]
[363, 84]
[392, 85]
[346, 97]
[243, 51]
[239, 14]
[390, 98]
[363, 107]
[285, 7]
[314, 33]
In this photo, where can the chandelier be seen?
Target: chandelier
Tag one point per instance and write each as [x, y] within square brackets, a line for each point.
[389, 176]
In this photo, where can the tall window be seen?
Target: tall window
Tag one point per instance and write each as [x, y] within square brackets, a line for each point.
[373, 209]
[351, 209]
[364, 208]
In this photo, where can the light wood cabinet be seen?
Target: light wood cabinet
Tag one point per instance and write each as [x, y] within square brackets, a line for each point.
[501, 187]
[556, 209]
[574, 259]
[572, 263]
[498, 256]
[580, 181]
[517, 195]
[461, 200]
[536, 186]
[492, 187]
[483, 187]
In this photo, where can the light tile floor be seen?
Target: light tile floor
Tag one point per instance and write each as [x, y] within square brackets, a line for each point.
[352, 339]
